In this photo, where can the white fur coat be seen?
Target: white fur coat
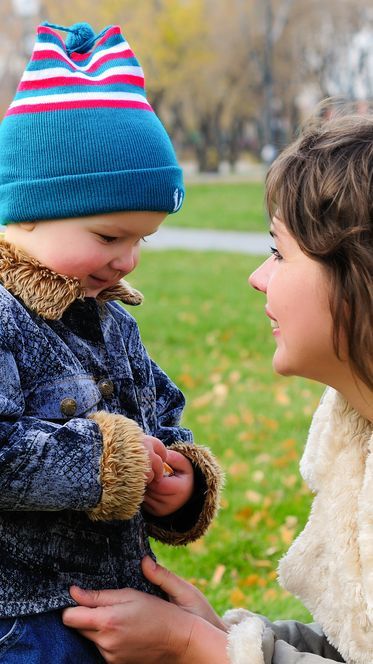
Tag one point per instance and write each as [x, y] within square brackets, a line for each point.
[330, 565]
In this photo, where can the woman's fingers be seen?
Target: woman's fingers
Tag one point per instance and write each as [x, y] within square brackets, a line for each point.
[80, 617]
[95, 598]
[175, 587]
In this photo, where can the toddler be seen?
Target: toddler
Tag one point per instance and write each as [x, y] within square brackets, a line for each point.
[87, 419]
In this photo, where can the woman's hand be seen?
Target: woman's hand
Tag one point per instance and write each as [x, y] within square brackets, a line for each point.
[165, 495]
[180, 592]
[130, 627]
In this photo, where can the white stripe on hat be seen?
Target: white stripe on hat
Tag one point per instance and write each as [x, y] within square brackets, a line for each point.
[79, 96]
[47, 46]
[53, 72]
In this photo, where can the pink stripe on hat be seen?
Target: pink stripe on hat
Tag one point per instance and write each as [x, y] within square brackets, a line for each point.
[57, 81]
[89, 103]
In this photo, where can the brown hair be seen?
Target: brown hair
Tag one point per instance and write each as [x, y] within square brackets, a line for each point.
[321, 187]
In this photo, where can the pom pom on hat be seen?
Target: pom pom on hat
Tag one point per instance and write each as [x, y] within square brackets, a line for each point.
[80, 39]
[80, 137]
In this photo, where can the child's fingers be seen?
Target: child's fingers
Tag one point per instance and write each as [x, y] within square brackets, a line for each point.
[179, 462]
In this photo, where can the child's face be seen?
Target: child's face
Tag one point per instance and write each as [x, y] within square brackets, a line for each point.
[97, 250]
[297, 291]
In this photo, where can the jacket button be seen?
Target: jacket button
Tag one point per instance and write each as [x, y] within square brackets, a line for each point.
[106, 388]
[68, 407]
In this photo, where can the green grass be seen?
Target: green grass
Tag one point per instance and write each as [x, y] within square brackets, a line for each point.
[223, 206]
[206, 328]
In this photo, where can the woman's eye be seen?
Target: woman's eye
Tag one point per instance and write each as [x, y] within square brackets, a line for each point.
[276, 254]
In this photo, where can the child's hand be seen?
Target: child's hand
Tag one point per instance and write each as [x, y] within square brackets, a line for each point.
[166, 495]
[157, 455]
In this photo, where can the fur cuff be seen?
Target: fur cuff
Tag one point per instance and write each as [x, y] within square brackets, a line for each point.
[205, 461]
[47, 293]
[245, 637]
[124, 465]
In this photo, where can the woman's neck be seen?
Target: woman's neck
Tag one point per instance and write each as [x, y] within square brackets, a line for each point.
[360, 397]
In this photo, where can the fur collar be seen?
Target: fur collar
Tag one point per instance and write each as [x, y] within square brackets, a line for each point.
[47, 293]
[330, 565]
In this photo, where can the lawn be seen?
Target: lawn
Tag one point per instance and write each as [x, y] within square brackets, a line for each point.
[203, 324]
[223, 206]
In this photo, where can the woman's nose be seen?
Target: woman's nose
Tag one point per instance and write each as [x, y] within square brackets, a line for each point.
[259, 278]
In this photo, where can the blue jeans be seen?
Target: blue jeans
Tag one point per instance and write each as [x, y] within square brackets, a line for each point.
[44, 639]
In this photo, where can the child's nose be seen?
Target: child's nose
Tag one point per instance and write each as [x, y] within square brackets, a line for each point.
[125, 262]
[259, 278]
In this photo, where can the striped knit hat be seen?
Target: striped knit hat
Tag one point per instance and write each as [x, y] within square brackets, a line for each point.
[80, 137]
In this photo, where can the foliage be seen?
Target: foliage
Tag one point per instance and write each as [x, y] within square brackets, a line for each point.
[224, 76]
[223, 206]
[207, 329]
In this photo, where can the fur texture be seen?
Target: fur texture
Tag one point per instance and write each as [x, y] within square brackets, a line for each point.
[244, 637]
[200, 456]
[330, 565]
[47, 293]
[124, 465]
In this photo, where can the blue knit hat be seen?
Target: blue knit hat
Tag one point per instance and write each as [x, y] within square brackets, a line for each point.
[80, 137]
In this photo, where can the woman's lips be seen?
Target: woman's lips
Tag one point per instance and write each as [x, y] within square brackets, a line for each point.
[274, 323]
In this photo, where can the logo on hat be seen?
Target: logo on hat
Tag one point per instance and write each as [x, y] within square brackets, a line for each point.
[178, 199]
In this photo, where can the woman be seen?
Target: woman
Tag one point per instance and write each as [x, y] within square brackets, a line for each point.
[318, 288]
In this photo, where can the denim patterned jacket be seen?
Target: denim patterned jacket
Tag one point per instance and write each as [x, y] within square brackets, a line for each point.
[77, 389]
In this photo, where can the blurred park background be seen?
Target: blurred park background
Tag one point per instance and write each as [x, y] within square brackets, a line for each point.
[232, 80]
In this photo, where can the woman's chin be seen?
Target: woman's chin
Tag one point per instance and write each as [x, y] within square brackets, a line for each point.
[281, 365]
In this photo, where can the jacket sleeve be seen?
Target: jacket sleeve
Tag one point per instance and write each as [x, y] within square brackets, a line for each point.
[83, 464]
[253, 639]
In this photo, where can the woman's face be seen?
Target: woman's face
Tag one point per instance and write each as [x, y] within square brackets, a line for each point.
[297, 305]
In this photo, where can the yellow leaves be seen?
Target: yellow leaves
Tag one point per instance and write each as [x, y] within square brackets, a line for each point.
[258, 476]
[186, 380]
[199, 547]
[253, 496]
[268, 423]
[218, 575]
[231, 420]
[287, 531]
[281, 395]
[239, 469]
[237, 598]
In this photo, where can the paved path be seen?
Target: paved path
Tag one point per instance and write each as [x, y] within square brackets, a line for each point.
[195, 239]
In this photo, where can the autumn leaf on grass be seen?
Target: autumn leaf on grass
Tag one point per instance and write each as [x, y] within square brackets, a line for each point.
[254, 580]
[253, 496]
[198, 546]
[186, 380]
[231, 420]
[268, 423]
[281, 396]
[218, 575]
[238, 469]
[237, 597]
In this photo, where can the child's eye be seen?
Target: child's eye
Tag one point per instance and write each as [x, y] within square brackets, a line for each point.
[276, 254]
[108, 238]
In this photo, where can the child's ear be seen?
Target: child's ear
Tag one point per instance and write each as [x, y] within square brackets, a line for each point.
[27, 226]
